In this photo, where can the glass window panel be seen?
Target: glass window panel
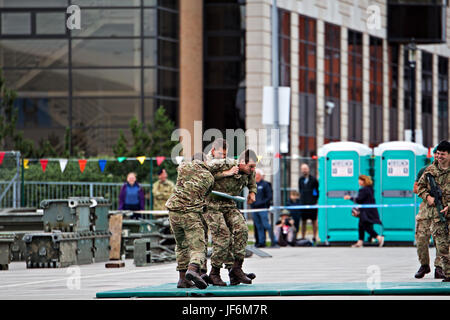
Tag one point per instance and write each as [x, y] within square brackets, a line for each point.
[107, 3]
[150, 22]
[16, 23]
[168, 54]
[33, 3]
[51, 23]
[38, 81]
[312, 82]
[168, 24]
[168, 83]
[171, 108]
[224, 46]
[222, 17]
[41, 112]
[221, 109]
[150, 52]
[109, 23]
[150, 82]
[106, 52]
[303, 80]
[106, 82]
[222, 73]
[33, 53]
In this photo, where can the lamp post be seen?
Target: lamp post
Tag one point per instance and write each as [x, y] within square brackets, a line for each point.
[412, 68]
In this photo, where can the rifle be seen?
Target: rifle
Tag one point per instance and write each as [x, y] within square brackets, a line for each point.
[436, 193]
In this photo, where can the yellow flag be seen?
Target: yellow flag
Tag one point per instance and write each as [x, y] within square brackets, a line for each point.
[141, 159]
[25, 163]
[259, 158]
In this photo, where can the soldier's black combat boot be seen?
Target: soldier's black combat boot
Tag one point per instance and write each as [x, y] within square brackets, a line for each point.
[205, 277]
[193, 275]
[422, 271]
[237, 275]
[182, 282]
[439, 273]
[216, 280]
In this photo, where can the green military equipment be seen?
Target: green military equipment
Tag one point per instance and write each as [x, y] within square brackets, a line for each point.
[67, 215]
[142, 252]
[436, 193]
[99, 213]
[6, 240]
[101, 246]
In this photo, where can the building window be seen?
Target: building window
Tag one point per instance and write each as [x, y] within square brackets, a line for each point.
[355, 117]
[407, 88]
[443, 98]
[224, 64]
[376, 91]
[393, 91]
[122, 63]
[284, 47]
[332, 82]
[427, 98]
[307, 85]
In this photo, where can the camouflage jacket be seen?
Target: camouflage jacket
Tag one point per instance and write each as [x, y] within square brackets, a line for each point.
[233, 185]
[194, 183]
[425, 212]
[161, 192]
[442, 178]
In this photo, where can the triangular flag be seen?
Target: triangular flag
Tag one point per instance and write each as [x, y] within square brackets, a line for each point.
[429, 153]
[120, 159]
[102, 164]
[278, 155]
[160, 160]
[178, 159]
[259, 158]
[82, 163]
[2, 155]
[43, 164]
[25, 163]
[63, 164]
[141, 159]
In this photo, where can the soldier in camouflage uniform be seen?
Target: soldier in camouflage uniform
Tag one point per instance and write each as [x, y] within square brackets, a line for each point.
[218, 150]
[423, 235]
[228, 227]
[162, 189]
[439, 229]
[186, 206]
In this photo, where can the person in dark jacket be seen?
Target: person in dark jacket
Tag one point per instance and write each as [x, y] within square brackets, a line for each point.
[261, 219]
[296, 214]
[131, 196]
[367, 216]
[309, 194]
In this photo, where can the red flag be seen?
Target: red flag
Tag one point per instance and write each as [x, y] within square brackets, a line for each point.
[428, 155]
[43, 164]
[160, 160]
[82, 163]
[2, 155]
[277, 155]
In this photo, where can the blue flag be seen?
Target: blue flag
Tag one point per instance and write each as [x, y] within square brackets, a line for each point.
[102, 164]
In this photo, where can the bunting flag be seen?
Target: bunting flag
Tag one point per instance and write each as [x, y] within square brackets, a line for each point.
[160, 160]
[25, 163]
[63, 164]
[259, 158]
[121, 159]
[43, 164]
[278, 155]
[102, 164]
[179, 159]
[429, 153]
[82, 163]
[2, 155]
[141, 159]
[314, 157]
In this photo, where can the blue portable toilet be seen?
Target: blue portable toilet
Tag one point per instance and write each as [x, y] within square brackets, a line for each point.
[340, 164]
[396, 166]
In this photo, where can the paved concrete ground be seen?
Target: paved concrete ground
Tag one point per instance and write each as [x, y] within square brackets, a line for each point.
[301, 265]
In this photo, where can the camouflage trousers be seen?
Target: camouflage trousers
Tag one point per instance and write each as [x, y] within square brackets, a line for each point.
[423, 235]
[442, 239]
[229, 233]
[189, 232]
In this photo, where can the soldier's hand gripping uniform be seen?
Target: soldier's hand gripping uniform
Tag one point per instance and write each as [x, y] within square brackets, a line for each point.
[186, 206]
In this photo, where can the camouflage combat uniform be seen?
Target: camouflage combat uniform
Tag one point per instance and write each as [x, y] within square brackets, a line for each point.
[161, 192]
[440, 235]
[228, 227]
[423, 231]
[186, 206]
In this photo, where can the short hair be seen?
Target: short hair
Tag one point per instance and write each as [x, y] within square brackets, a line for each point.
[259, 171]
[133, 173]
[247, 156]
[161, 171]
[443, 146]
[367, 181]
[220, 143]
[294, 193]
[199, 156]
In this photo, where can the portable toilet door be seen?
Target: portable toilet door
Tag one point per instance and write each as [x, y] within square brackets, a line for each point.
[396, 167]
[340, 164]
